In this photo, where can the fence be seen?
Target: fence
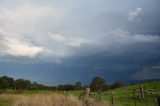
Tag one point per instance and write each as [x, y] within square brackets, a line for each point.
[132, 98]
[136, 97]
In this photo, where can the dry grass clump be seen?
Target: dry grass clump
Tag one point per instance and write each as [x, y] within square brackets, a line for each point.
[49, 100]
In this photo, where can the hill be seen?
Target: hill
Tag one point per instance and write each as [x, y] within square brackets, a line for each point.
[131, 95]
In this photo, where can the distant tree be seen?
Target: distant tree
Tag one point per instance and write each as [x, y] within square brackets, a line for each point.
[117, 85]
[60, 87]
[66, 87]
[98, 84]
[78, 85]
[6, 82]
[85, 86]
[106, 87]
[22, 84]
[34, 86]
[27, 84]
[35, 83]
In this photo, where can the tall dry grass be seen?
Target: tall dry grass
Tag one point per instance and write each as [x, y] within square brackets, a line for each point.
[49, 100]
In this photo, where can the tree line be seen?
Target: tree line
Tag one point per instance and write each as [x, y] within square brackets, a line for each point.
[97, 84]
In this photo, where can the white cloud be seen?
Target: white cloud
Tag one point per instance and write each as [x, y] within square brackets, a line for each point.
[22, 28]
[68, 41]
[76, 41]
[58, 37]
[117, 40]
[134, 14]
[21, 49]
[28, 19]
[122, 36]
[30, 25]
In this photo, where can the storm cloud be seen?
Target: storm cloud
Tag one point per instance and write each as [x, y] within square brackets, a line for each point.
[80, 39]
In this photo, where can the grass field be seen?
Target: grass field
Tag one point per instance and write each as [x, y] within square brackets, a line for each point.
[47, 98]
[71, 98]
[121, 99]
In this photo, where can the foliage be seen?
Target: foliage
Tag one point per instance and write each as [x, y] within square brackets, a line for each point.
[120, 95]
[78, 85]
[22, 84]
[98, 84]
[117, 85]
[66, 87]
[6, 82]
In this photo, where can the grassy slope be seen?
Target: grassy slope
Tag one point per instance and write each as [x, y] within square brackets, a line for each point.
[120, 95]
[154, 86]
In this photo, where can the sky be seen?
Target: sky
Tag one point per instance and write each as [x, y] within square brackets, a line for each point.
[65, 41]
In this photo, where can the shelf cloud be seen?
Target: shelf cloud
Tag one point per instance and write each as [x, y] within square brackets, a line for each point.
[52, 39]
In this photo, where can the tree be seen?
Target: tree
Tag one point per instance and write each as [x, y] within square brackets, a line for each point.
[117, 85]
[78, 85]
[98, 84]
[6, 82]
[22, 84]
[66, 87]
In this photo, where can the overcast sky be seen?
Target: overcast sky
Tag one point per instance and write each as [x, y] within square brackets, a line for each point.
[64, 41]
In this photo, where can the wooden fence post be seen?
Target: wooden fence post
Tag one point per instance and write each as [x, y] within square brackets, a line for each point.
[141, 91]
[113, 99]
[87, 92]
[126, 96]
[134, 96]
[56, 88]
[158, 99]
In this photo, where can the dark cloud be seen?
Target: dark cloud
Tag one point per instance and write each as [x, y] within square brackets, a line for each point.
[80, 39]
[152, 72]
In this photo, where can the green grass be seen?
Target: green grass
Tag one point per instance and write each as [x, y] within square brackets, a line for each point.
[120, 95]
[154, 86]
[5, 103]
